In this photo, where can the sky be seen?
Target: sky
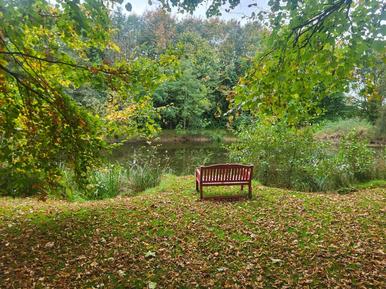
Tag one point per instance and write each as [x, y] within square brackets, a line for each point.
[140, 6]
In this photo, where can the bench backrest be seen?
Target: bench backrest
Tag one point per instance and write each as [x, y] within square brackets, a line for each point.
[226, 173]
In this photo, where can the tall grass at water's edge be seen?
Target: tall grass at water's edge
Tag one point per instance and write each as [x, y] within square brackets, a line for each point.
[110, 181]
[142, 178]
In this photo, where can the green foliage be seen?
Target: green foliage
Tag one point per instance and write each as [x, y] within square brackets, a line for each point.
[35, 140]
[103, 182]
[370, 82]
[182, 102]
[280, 153]
[355, 156]
[106, 183]
[73, 74]
[41, 125]
[380, 125]
[292, 158]
[380, 165]
[212, 53]
[309, 58]
[52, 58]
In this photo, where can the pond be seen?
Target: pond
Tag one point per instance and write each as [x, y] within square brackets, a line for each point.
[180, 158]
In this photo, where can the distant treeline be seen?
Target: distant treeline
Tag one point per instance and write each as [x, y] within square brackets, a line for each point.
[213, 54]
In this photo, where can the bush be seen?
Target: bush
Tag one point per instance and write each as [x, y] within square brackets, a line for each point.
[105, 182]
[380, 164]
[292, 158]
[380, 126]
[282, 156]
[350, 162]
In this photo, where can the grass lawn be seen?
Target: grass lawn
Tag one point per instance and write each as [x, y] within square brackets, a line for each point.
[166, 238]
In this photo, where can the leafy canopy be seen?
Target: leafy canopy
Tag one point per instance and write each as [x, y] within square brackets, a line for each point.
[308, 58]
[49, 53]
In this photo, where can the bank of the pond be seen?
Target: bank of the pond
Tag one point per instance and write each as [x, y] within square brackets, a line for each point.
[179, 158]
[189, 136]
[165, 238]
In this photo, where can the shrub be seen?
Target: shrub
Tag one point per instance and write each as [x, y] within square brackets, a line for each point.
[380, 126]
[355, 153]
[104, 182]
[380, 164]
[349, 162]
[292, 158]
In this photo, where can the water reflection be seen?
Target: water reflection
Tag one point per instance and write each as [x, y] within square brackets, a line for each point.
[177, 158]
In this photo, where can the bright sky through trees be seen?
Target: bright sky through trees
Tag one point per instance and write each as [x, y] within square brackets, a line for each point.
[140, 6]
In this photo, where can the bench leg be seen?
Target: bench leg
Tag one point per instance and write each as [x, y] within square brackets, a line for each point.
[242, 187]
[201, 192]
[196, 186]
[250, 190]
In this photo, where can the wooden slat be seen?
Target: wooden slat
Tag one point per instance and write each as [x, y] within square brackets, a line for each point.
[226, 173]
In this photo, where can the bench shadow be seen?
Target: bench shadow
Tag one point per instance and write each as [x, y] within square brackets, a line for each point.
[231, 198]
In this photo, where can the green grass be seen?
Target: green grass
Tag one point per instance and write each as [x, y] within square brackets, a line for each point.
[372, 184]
[279, 239]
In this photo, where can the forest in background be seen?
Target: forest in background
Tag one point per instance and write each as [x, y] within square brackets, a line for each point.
[213, 55]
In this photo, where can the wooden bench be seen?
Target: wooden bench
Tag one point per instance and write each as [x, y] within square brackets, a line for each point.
[224, 175]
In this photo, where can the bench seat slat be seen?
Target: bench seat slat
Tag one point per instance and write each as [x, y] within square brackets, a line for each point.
[226, 183]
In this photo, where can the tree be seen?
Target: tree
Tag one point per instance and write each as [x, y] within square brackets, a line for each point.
[370, 81]
[157, 33]
[128, 32]
[49, 54]
[182, 102]
[300, 68]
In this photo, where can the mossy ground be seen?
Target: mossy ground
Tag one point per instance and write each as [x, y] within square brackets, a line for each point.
[166, 238]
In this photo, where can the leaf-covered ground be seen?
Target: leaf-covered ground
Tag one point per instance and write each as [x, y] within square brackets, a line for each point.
[165, 238]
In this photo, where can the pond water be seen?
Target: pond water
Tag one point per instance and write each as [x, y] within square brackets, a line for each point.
[180, 158]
